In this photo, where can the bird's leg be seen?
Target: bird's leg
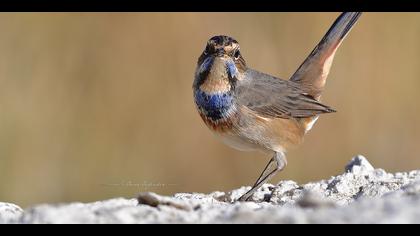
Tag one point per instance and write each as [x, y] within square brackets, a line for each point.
[276, 164]
[268, 169]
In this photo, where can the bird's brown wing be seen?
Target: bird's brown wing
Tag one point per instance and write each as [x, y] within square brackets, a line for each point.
[272, 97]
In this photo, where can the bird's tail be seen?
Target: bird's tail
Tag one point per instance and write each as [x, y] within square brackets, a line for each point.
[313, 72]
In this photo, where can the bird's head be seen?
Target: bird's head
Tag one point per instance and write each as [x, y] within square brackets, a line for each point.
[220, 65]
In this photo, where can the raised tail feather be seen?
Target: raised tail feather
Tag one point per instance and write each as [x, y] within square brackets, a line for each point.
[313, 72]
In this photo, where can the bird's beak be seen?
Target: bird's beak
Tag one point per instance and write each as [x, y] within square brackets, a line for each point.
[220, 53]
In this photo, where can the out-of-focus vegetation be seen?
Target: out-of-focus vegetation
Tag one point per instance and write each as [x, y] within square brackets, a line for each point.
[94, 106]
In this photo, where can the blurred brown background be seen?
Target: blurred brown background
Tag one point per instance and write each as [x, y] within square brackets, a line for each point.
[94, 106]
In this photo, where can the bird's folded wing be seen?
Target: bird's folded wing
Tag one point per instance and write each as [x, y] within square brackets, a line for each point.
[276, 98]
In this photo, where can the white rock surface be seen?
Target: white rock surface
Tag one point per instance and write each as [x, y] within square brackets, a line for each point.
[9, 212]
[360, 195]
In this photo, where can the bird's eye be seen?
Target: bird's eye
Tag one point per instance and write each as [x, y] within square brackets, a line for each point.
[237, 54]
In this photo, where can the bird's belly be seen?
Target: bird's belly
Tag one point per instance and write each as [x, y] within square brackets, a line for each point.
[239, 143]
[243, 130]
[267, 134]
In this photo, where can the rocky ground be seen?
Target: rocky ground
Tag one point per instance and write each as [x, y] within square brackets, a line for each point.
[360, 195]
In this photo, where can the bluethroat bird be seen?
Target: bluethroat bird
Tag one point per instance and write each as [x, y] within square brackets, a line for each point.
[251, 110]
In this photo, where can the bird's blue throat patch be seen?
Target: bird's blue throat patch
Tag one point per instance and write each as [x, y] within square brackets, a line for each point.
[231, 69]
[214, 106]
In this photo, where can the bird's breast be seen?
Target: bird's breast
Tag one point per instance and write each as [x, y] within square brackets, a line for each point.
[214, 106]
